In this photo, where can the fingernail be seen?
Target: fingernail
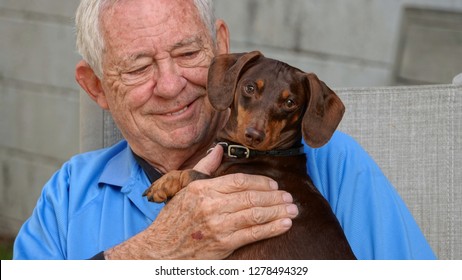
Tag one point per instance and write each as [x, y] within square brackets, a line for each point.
[287, 197]
[286, 222]
[292, 209]
[214, 148]
[273, 185]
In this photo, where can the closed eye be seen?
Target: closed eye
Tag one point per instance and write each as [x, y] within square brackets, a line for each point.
[191, 58]
[138, 70]
[137, 75]
[190, 55]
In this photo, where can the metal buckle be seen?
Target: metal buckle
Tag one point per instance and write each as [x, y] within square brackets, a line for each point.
[233, 151]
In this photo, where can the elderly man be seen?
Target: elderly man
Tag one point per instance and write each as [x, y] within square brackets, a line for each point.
[146, 62]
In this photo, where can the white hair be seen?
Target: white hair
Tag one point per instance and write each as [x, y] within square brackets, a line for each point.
[90, 41]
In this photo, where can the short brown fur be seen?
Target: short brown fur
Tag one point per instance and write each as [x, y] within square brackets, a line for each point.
[290, 104]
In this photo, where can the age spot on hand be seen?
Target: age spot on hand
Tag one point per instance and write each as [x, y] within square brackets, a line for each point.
[197, 235]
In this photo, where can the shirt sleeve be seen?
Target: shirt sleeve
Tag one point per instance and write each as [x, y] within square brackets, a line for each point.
[42, 236]
[375, 219]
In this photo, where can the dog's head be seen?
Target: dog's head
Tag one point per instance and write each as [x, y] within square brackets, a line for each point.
[272, 104]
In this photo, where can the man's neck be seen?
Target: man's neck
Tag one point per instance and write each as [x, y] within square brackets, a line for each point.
[177, 159]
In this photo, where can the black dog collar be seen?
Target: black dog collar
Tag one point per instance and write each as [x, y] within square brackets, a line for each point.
[239, 151]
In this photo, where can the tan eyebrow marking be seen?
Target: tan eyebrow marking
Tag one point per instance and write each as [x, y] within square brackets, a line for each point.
[260, 84]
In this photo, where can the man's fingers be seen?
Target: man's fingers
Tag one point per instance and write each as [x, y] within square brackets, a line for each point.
[239, 182]
[239, 201]
[260, 232]
[211, 162]
[260, 215]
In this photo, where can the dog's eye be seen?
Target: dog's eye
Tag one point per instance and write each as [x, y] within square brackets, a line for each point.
[249, 89]
[290, 104]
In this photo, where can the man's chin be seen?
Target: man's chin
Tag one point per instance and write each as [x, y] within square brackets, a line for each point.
[185, 139]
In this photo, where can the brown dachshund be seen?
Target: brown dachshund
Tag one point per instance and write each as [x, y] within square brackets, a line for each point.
[273, 105]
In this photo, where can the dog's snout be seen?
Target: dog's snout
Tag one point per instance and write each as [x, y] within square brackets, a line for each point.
[254, 136]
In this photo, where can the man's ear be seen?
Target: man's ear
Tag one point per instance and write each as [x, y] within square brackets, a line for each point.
[222, 33]
[87, 79]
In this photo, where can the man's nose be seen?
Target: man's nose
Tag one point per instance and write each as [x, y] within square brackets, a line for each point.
[169, 80]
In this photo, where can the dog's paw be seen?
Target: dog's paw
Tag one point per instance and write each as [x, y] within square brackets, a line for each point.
[165, 187]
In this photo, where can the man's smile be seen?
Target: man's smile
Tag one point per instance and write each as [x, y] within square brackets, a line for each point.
[178, 112]
[182, 113]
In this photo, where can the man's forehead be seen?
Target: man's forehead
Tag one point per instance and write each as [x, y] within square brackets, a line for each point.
[144, 34]
[137, 14]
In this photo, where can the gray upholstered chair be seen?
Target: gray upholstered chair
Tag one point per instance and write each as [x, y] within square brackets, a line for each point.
[414, 133]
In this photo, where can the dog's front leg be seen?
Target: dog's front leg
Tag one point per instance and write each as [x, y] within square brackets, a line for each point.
[171, 183]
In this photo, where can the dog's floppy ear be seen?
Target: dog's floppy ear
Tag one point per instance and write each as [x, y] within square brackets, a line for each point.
[323, 113]
[224, 73]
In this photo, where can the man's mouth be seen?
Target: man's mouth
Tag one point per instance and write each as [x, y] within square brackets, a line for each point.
[179, 112]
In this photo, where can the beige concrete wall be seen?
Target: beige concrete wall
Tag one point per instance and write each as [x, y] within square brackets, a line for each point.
[347, 43]
[38, 101]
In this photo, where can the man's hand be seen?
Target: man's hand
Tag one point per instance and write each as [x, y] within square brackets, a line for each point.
[211, 218]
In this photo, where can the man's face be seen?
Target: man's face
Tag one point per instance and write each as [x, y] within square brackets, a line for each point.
[155, 63]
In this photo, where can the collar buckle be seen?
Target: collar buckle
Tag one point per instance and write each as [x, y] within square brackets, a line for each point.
[235, 151]
[238, 151]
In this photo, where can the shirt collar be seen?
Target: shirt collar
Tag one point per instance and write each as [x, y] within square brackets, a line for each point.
[119, 169]
[150, 171]
[122, 171]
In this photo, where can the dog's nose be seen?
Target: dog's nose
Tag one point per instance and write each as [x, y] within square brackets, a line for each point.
[254, 136]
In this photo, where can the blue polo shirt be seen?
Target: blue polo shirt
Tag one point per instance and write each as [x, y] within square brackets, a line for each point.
[95, 202]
